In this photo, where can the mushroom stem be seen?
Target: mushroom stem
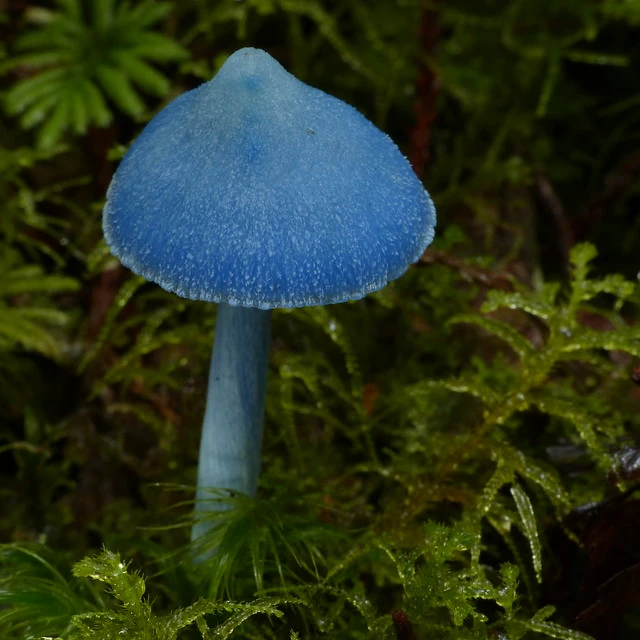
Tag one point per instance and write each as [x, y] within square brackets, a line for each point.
[233, 419]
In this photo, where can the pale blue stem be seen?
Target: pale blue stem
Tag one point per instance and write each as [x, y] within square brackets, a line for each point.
[233, 419]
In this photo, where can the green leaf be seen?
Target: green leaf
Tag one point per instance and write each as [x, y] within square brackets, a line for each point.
[42, 59]
[30, 279]
[620, 339]
[73, 8]
[552, 630]
[263, 606]
[143, 14]
[119, 89]
[580, 257]
[536, 305]
[505, 332]
[102, 14]
[108, 567]
[586, 425]
[97, 107]
[143, 74]
[28, 91]
[37, 112]
[52, 130]
[529, 528]
[473, 387]
[17, 329]
[157, 48]
[503, 475]
[547, 479]
[30, 325]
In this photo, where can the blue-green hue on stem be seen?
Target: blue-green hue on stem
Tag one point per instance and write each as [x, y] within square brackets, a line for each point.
[232, 429]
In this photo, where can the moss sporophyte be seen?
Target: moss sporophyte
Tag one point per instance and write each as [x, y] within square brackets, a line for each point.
[227, 197]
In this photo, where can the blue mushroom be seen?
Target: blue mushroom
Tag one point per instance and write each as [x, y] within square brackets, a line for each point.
[257, 191]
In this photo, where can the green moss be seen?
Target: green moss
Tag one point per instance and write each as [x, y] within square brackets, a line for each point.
[454, 456]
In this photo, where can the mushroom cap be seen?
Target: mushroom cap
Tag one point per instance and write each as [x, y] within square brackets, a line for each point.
[258, 190]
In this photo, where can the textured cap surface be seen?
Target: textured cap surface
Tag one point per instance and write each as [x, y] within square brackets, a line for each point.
[258, 190]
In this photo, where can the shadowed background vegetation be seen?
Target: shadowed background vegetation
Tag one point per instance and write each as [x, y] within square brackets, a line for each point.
[456, 456]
